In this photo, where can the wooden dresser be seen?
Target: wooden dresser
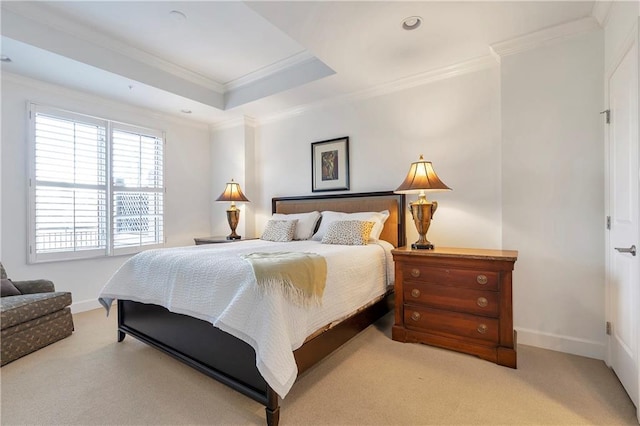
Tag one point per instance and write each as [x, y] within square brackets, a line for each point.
[458, 299]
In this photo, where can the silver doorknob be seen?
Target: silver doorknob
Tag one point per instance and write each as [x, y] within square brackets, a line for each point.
[631, 250]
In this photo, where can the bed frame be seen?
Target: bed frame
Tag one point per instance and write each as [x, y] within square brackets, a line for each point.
[230, 360]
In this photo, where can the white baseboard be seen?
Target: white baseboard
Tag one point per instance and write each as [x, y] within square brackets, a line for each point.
[556, 342]
[85, 305]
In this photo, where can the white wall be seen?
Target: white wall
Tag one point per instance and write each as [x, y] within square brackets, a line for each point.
[232, 153]
[454, 123]
[553, 192]
[187, 171]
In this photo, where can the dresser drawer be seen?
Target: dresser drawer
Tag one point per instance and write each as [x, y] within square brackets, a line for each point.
[451, 324]
[451, 298]
[461, 278]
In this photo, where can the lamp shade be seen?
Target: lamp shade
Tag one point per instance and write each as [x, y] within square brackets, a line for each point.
[232, 192]
[421, 177]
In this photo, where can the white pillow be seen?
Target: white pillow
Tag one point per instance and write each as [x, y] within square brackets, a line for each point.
[279, 230]
[378, 218]
[306, 223]
[348, 232]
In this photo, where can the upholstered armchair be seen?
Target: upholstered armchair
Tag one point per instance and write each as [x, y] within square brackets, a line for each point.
[32, 315]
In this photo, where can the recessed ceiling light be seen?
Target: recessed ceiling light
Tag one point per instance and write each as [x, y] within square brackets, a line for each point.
[177, 15]
[411, 23]
[5, 58]
[185, 111]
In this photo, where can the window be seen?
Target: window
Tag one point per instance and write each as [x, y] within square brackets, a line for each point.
[96, 186]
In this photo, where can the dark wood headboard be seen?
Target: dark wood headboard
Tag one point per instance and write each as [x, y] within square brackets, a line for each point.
[394, 230]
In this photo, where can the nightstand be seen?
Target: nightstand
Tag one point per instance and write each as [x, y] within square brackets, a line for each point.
[214, 240]
[456, 298]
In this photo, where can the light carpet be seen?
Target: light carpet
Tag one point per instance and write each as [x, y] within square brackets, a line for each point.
[90, 379]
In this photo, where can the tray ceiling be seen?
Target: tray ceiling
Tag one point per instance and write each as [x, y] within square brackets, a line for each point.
[223, 60]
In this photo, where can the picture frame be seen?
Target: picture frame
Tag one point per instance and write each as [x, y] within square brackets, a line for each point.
[330, 165]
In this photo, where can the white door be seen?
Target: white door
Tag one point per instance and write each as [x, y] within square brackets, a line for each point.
[623, 262]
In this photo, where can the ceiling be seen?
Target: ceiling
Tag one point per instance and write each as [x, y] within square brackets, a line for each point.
[226, 60]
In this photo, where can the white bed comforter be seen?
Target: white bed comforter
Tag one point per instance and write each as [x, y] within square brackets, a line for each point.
[213, 283]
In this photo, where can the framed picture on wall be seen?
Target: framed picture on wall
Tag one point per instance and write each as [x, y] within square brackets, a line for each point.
[330, 165]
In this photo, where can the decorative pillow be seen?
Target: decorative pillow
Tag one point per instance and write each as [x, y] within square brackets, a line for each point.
[8, 288]
[348, 232]
[378, 218]
[306, 223]
[279, 230]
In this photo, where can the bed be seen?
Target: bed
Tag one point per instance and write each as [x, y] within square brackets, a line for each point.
[194, 340]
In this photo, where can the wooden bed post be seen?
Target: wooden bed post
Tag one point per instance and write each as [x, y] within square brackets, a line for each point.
[272, 407]
[121, 334]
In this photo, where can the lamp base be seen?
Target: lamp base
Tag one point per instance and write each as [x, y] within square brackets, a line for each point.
[233, 217]
[417, 246]
[422, 212]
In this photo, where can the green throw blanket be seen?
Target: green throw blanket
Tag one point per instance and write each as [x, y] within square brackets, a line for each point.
[302, 276]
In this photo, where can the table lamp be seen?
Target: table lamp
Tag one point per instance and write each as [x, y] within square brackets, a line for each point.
[420, 179]
[233, 193]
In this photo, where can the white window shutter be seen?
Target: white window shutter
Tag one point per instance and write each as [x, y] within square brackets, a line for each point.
[138, 189]
[69, 195]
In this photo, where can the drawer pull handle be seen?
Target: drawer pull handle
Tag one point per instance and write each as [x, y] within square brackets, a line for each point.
[415, 292]
[415, 316]
[482, 328]
[415, 272]
[482, 279]
[482, 302]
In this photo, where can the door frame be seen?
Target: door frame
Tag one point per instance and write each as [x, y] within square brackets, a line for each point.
[633, 38]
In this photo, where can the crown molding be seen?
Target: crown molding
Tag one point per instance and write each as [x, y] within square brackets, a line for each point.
[80, 96]
[251, 122]
[420, 79]
[46, 17]
[235, 122]
[601, 10]
[544, 37]
[284, 64]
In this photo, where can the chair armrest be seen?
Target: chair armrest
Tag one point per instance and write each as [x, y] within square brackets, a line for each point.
[35, 286]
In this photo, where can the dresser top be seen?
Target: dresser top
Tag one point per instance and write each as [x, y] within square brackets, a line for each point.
[456, 252]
